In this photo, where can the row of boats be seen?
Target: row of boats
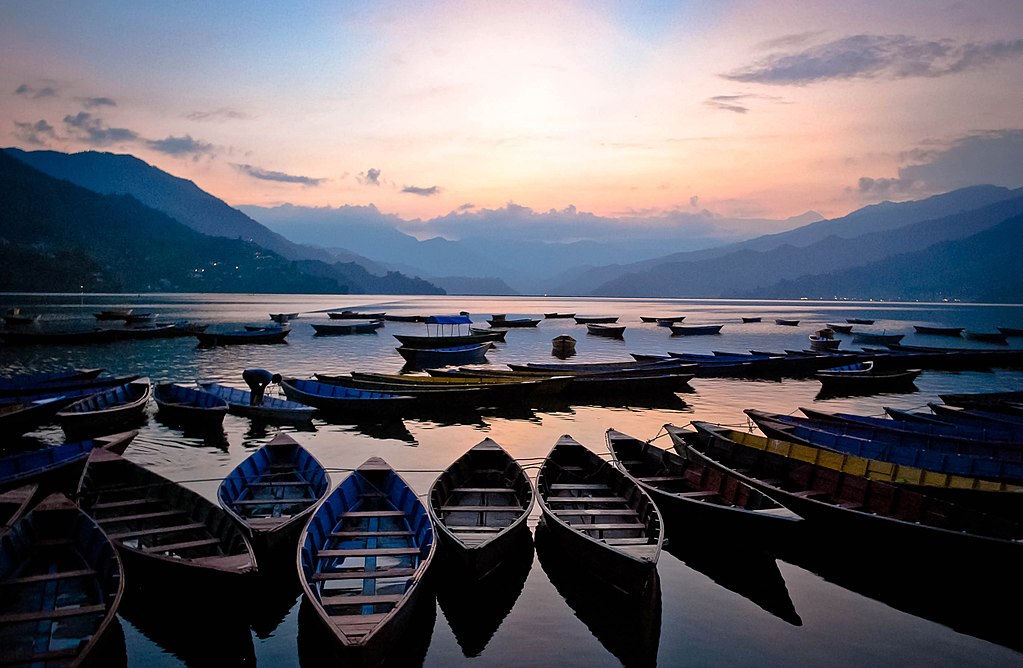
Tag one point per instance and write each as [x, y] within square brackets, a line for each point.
[930, 486]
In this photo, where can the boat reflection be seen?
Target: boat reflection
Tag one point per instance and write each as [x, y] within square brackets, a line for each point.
[261, 429]
[214, 437]
[627, 626]
[949, 590]
[475, 608]
[317, 647]
[279, 590]
[740, 567]
[832, 394]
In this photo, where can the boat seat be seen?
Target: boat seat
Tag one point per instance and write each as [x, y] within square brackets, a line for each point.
[368, 534]
[369, 552]
[47, 577]
[373, 513]
[481, 509]
[269, 502]
[484, 490]
[359, 600]
[642, 540]
[141, 516]
[59, 613]
[608, 527]
[364, 575]
[567, 486]
[280, 484]
[121, 504]
[174, 547]
[596, 511]
[347, 622]
[461, 528]
[660, 478]
[585, 499]
[696, 495]
[157, 531]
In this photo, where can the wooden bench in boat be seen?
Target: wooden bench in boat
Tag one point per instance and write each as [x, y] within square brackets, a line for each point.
[481, 509]
[369, 534]
[626, 541]
[271, 501]
[121, 504]
[596, 511]
[341, 599]
[585, 499]
[47, 577]
[57, 613]
[176, 547]
[281, 483]
[660, 478]
[696, 495]
[473, 528]
[484, 490]
[609, 526]
[373, 513]
[155, 531]
[365, 575]
[558, 486]
[141, 516]
[368, 552]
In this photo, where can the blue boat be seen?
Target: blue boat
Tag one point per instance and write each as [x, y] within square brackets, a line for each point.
[992, 433]
[272, 492]
[62, 582]
[56, 468]
[362, 558]
[18, 417]
[188, 406]
[271, 408]
[106, 412]
[431, 358]
[341, 398]
[350, 327]
[26, 383]
[244, 336]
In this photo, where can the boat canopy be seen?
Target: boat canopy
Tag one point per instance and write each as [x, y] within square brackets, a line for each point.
[448, 320]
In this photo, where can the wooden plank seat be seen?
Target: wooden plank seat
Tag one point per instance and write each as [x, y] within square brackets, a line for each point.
[610, 526]
[368, 534]
[155, 531]
[121, 504]
[187, 545]
[596, 511]
[626, 541]
[141, 516]
[350, 621]
[560, 486]
[660, 478]
[585, 499]
[47, 577]
[481, 509]
[368, 552]
[341, 599]
[484, 490]
[281, 483]
[697, 495]
[365, 575]
[58, 613]
[472, 528]
[270, 502]
[373, 513]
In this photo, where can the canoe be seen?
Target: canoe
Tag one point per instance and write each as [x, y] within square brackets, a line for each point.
[690, 494]
[695, 330]
[992, 496]
[661, 366]
[16, 418]
[977, 415]
[595, 319]
[563, 346]
[16, 502]
[117, 314]
[479, 505]
[362, 558]
[240, 337]
[752, 319]
[787, 323]
[15, 318]
[599, 515]
[666, 320]
[610, 331]
[558, 315]
[1010, 331]
[425, 358]
[169, 536]
[874, 338]
[62, 582]
[491, 334]
[841, 329]
[930, 428]
[905, 524]
[445, 341]
[464, 394]
[403, 318]
[859, 321]
[340, 398]
[514, 322]
[189, 406]
[987, 337]
[283, 317]
[108, 411]
[56, 468]
[938, 331]
[272, 408]
[355, 315]
[841, 380]
[272, 493]
[27, 383]
[353, 327]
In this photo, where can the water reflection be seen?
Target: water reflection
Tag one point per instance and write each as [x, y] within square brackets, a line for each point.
[627, 626]
[211, 437]
[475, 608]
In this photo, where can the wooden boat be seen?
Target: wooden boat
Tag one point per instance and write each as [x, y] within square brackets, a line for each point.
[690, 494]
[108, 411]
[873, 338]
[859, 321]
[271, 409]
[751, 319]
[824, 343]
[56, 468]
[115, 314]
[695, 330]
[610, 331]
[403, 318]
[356, 315]
[977, 416]
[425, 358]
[62, 583]
[841, 329]
[987, 337]
[276, 327]
[70, 337]
[787, 323]
[18, 417]
[558, 315]
[15, 318]
[351, 327]
[169, 536]
[143, 318]
[479, 505]
[445, 341]
[16, 502]
[665, 321]
[272, 493]
[863, 378]
[981, 398]
[189, 406]
[490, 333]
[283, 317]
[600, 515]
[563, 346]
[514, 322]
[465, 393]
[925, 427]
[938, 331]
[27, 383]
[362, 558]
[340, 398]
[595, 319]
[906, 524]
[1010, 331]
[240, 337]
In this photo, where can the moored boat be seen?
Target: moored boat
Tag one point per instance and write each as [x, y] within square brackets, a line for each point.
[239, 402]
[818, 342]
[340, 398]
[240, 337]
[938, 331]
[987, 337]
[18, 417]
[841, 329]
[56, 468]
[425, 358]
[859, 321]
[514, 322]
[108, 411]
[751, 319]
[362, 558]
[15, 318]
[62, 584]
[1010, 331]
[600, 515]
[550, 316]
[695, 330]
[272, 493]
[862, 378]
[188, 406]
[114, 314]
[595, 319]
[355, 315]
[787, 323]
[350, 327]
[609, 331]
[479, 505]
[874, 338]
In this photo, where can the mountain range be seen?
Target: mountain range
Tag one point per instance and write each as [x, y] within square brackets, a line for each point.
[61, 210]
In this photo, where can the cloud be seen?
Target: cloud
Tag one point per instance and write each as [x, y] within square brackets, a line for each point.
[36, 133]
[466, 207]
[281, 177]
[181, 146]
[371, 177]
[727, 103]
[86, 127]
[217, 114]
[694, 201]
[36, 93]
[991, 157]
[874, 57]
[423, 192]
[93, 102]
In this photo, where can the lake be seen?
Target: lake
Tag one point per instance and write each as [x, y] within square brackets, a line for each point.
[720, 600]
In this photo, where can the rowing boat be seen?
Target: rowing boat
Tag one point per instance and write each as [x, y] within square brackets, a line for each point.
[188, 406]
[268, 335]
[239, 402]
[350, 327]
[341, 398]
[56, 468]
[479, 505]
[107, 412]
[610, 331]
[426, 358]
[362, 558]
[600, 515]
[695, 330]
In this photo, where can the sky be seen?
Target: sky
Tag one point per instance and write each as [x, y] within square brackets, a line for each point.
[623, 110]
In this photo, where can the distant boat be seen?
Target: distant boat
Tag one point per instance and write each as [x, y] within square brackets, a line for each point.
[600, 319]
[988, 337]
[403, 318]
[818, 342]
[663, 320]
[514, 322]
[874, 338]
[859, 321]
[787, 323]
[426, 358]
[695, 330]
[283, 317]
[610, 331]
[350, 327]
[241, 337]
[188, 406]
[861, 378]
[841, 329]
[558, 315]
[119, 314]
[135, 318]
[355, 315]
[14, 317]
[938, 331]
[1010, 331]
[751, 319]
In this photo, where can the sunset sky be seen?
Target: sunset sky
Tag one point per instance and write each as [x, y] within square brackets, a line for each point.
[747, 109]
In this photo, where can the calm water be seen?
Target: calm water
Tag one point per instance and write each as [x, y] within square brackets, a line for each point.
[720, 601]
